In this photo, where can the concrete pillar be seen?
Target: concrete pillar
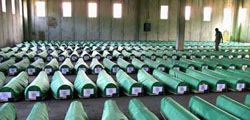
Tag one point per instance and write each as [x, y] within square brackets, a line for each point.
[236, 25]
[180, 25]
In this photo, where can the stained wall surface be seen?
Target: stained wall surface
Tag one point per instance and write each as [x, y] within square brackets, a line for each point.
[131, 26]
[11, 25]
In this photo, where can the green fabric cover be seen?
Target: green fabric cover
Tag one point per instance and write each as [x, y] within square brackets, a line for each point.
[138, 111]
[42, 55]
[80, 64]
[171, 110]
[139, 64]
[211, 80]
[210, 63]
[192, 81]
[108, 64]
[149, 82]
[138, 54]
[2, 79]
[127, 82]
[247, 100]
[85, 54]
[8, 112]
[5, 49]
[233, 107]
[82, 82]
[167, 64]
[75, 53]
[41, 84]
[234, 75]
[38, 112]
[30, 55]
[18, 55]
[238, 64]
[221, 62]
[124, 64]
[54, 54]
[183, 65]
[64, 54]
[197, 64]
[117, 54]
[37, 65]
[53, 64]
[96, 54]
[112, 112]
[59, 82]
[240, 72]
[154, 64]
[231, 82]
[104, 81]
[127, 54]
[208, 111]
[4, 66]
[67, 64]
[170, 81]
[76, 112]
[16, 85]
[95, 63]
[21, 66]
[5, 56]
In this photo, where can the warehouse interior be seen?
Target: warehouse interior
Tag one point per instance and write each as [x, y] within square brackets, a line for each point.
[124, 59]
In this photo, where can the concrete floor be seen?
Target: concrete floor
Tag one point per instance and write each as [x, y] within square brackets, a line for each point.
[94, 106]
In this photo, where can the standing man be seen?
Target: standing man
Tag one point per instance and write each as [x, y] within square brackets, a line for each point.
[218, 38]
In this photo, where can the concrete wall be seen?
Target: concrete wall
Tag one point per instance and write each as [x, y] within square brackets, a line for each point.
[243, 29]
[11, 27]
[130, 27]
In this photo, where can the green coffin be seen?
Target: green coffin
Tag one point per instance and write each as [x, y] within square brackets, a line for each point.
[233, 107]
[74, 56]
[18, 67]
[138, 111]
[171, 110]
[38, 112]
[81, 65]
[61, 87]
[2, 79]
[76, 112]
[140, 65]
[51, 67]
[194, 83]
[126, 66]
[168, 64]
[107, 84]
[67, 68]
[4, 66]
[247, 100]
[35, 67]
[208, 111]
[130, 86]
[234, 75]
[96, 66]
[152, 85]
[14, 88]
[112, 112]
[8, 112]
[215, 84]
[110, 66]
[39, 87]
[84, 85]
[175, 85]
[233, 83]
[154, 64]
